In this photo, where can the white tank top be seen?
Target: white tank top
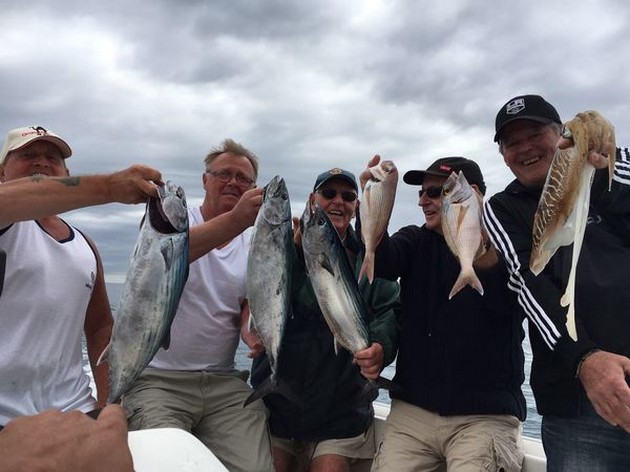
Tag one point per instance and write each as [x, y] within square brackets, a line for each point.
[47, 288]
[206, 330]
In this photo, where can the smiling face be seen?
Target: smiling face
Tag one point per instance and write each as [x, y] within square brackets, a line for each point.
[221, 196]
[431, 206]
[340, 211]
[37, 158]
[528, 149]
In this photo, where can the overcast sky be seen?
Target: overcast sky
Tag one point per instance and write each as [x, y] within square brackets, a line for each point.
[307, 85]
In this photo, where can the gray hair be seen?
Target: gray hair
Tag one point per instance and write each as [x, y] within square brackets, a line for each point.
[231, 146]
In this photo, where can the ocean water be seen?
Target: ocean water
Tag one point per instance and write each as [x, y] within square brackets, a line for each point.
[531, 427]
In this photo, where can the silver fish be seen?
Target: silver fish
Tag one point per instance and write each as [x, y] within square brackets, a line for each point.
[562, 211]
[333, 281]
[269, 275]
[152, 289]
[461, 225]
[375, 210]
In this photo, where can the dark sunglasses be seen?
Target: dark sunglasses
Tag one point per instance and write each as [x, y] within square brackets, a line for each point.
[330, 193]
[432, 192]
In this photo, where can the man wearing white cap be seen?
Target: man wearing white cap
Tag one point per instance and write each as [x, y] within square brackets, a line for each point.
[53, 287]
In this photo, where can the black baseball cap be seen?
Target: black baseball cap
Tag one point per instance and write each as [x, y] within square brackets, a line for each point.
[443, 168]
[335, 173]
[525, 107]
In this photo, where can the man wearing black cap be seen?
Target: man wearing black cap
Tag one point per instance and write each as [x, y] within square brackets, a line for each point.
[579, 386]
[460, 361]
[333, 428]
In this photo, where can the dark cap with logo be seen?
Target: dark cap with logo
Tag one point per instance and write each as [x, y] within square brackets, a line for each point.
[525, 107]
[335, 173]
[443, 168]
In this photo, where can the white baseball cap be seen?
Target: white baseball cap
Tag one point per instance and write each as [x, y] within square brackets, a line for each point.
[20, 137]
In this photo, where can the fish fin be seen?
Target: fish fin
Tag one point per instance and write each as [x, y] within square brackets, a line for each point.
[571, 328]
[367, 267]
[326, 264]
[104, 357]
[336, 345]
[166, 342]
[279, 387]
[468, 277]
[385, 383]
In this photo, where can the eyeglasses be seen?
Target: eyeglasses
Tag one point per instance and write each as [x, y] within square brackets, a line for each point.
[225, 177]
[330, 193]
[432, 192]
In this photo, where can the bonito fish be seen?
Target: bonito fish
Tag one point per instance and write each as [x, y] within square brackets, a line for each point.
[269, 276]
[152, 289]
[375, 210]
[333, 281]
[461, 225]
[562, 211]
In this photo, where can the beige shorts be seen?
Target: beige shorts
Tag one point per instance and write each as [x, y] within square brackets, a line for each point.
[356, 449]
[417, 439]
[209, 405]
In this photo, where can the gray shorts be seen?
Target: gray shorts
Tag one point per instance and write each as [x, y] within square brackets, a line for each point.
[208, 405]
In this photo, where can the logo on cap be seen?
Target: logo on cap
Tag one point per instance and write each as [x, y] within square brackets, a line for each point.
[335, 171]
[515, 106]
[445, 168]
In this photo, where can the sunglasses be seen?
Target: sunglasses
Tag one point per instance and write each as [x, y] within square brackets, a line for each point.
[432, 192]
[330, 193]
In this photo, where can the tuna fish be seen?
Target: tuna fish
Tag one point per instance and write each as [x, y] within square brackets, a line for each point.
[375, 210]
[269, 278]
[152, 289]
[461, 225]
[333, 281]
[562, 211]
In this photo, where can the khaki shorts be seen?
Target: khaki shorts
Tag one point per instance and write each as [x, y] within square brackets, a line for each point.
[210, 406]
[417, 439]
[356, 449]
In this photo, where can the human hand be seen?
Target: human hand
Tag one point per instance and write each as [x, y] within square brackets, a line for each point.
[599, 160]
[252, 341]
[370, 361]
[67, 442]
[246, 209]
[134, 184]
[297, 232]
[365, 173]
[603, 375]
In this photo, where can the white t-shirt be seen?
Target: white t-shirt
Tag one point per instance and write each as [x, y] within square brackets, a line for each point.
[206, 329]
[47, 288]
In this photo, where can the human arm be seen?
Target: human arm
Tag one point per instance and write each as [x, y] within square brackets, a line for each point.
[36, 197]
[248, 333]
[66, 442]
[220, 229]
[98, 329]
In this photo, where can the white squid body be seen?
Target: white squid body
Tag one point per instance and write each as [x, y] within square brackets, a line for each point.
[562, 211]
[461, 225]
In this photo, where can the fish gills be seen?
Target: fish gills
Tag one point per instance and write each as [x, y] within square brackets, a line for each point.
[461, 225]
[375, 211]
[562, 211]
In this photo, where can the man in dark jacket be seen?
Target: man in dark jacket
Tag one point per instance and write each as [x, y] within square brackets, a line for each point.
[333, 425]
[459, 370]
[580, 386]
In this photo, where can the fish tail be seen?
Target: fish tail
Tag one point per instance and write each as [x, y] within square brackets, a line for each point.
[367, 267]
[270, 385]
[466, 277]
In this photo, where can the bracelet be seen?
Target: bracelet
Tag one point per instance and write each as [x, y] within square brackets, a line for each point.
[588, 354]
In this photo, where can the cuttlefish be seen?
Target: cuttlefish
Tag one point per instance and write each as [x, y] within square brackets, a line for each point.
[563, 207]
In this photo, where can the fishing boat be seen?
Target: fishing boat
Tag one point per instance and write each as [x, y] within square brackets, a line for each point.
[170, 449]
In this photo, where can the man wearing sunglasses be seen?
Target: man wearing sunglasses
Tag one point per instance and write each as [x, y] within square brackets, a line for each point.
[334, 425]
[460, 363]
